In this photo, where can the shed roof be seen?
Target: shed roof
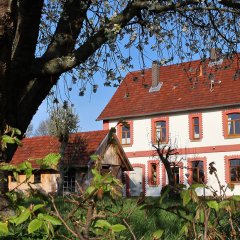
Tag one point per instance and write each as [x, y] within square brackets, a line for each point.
[78, 150]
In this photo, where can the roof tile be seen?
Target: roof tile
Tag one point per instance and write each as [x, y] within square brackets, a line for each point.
[78, 150]
[184, 88]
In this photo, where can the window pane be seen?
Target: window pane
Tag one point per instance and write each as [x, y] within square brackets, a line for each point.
[235, 162]
[196, 132]
[175, 171]
[126, 134]
[195, 175]
[161, 124]
[230, 128]
[153, 174]
[197, 171]
[196, 121]
[160, 128]
[234, 116]
[237, 127]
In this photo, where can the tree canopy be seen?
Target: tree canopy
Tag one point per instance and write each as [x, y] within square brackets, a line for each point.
[43, 40]
[62, 121]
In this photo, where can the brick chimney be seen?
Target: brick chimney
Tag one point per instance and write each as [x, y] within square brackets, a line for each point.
[215, 54]
[155, 73]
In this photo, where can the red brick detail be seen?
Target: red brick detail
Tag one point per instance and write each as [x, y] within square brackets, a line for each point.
[105, 124]
[190, 124]
[189, 168]
[225, 121]
[227, 166]
[149, 172]
[176, 94]
[153, 123]
[119, 133]
[182, 151]
[128, 194]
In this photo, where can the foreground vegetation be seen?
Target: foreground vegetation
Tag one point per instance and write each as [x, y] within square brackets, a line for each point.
[100, 212]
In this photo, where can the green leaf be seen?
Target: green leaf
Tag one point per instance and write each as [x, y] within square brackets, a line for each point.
[51, 219]
[184, 229]
[15, 175]
[224, 204]
[8, 139]
[236, 198]
[102, 224]
[46, 229]
[90, 190]
[118, 228]
[38, 206]
[213, 204]
[94, 157]
[52, 159]
[7, 167]
[186, 197]
[22, 217]
[3, 229]
[34, 225]
[158, 234]
[197, 185]
[16, 131]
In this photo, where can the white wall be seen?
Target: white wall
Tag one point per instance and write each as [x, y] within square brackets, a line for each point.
[179, 134]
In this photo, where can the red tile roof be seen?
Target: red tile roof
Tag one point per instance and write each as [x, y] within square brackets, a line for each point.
[185, 87]
[78, 150]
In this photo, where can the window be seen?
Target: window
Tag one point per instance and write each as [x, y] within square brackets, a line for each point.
[195, 126]
[233, 124]
[160, 130]
[197, 172]
[153, 169]
[37, 177]
[69, 181]
[153, 173]
[234, 170]
[176, 175]
[125, 133]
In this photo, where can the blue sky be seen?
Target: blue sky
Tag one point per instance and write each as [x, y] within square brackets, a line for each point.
[88, 107]
[91, 104]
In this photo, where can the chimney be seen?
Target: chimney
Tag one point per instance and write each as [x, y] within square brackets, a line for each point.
[215, 54]
[155, 74]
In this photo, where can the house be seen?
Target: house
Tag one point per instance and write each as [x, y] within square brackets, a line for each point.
[194, 106]
[76, 161]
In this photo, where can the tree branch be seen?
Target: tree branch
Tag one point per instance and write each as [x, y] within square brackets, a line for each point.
[68, 28]
[26, 35]
[62, 64]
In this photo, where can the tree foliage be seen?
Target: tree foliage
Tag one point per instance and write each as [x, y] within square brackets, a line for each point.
[62, 121]
[43, 40]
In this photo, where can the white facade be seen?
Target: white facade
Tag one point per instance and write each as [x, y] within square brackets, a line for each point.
[213, 146]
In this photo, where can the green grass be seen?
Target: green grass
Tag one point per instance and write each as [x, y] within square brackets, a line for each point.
[143, 219]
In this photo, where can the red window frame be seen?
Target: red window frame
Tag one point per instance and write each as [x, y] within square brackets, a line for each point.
[154, 129]
[190, 168]
[120, 126]
[153, 180]
[228, 168]
[225, 122]
[192, 126]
